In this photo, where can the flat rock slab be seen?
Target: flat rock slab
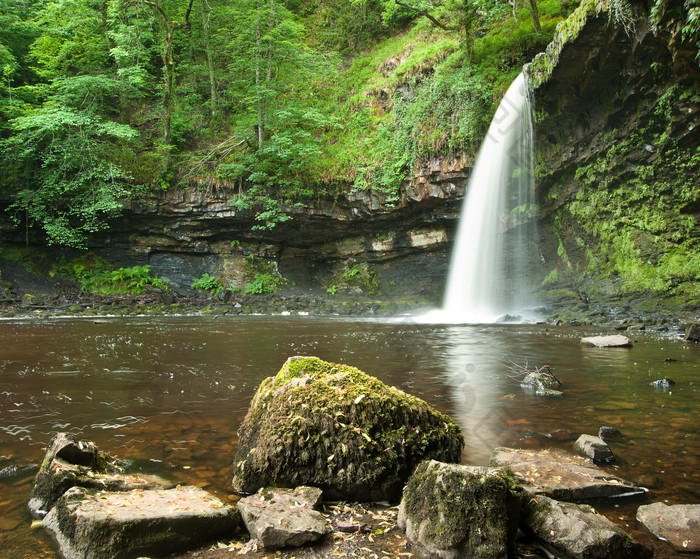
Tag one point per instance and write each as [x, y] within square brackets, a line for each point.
[70, 462]
[577, 531]
[111, 525]
[679, 525]
[562, 476]
[279, 518]
[616, 340]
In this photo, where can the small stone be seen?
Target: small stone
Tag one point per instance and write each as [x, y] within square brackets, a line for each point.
[616, 340]
[573, 531]
[279, 518]
[608, 433]
[543, 382]
[561, 435]
[679, 525]
[594, 448]
[662, 383]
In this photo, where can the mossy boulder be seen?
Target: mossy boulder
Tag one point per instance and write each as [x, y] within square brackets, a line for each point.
[334, 427]
[451, 511]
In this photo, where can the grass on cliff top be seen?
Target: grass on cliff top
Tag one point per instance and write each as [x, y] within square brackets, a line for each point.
[418, 95]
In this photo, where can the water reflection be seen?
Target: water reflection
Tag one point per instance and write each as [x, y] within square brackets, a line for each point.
[473, 364]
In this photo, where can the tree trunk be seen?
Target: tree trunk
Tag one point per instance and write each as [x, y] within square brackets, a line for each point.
[258, 85]
[207, 47]
[168, 89]
[535, 16]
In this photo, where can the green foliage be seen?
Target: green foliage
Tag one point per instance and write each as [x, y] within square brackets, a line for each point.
[263, 283]
[359, 275]
[635, 213]
[102, 100]
[685, 15]
[207, 283]
[96, 275]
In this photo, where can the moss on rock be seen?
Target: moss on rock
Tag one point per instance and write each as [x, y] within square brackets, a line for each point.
[337, 428]
[452, 511]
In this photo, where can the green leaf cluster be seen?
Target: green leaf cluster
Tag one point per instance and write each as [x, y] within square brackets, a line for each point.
[207, 283]
[97, 275]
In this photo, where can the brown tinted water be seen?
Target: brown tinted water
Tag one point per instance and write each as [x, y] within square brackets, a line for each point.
[170, 393]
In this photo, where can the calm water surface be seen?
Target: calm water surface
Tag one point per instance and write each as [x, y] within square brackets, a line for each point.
[170, 393]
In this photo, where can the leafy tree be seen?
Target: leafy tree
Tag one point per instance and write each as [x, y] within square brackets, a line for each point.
[63, 154]
[66, 172]
[463, 16]
[275, 79]
[17, 32]
[173, 16]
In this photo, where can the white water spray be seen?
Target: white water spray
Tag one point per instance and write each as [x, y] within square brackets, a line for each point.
[488, 270]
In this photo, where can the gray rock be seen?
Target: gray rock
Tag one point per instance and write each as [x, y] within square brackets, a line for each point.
[577, 531]
[451, 511]
[544, 383]
[594, 448]
[662, 383]
[561, 476]
[679, 525]
[692, 334]
[609, 433]
[616, 340]
[72, 462]
[334, 427]
[109, 525]
[284, 517]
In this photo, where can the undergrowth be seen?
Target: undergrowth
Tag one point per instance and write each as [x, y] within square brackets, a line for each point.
[97, 275]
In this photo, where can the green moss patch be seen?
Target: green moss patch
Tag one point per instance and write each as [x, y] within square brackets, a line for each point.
[337, 428]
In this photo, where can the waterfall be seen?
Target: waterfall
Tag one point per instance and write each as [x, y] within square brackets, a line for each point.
[488, 275]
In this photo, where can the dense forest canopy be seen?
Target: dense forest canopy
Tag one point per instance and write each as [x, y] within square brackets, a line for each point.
[103, 100]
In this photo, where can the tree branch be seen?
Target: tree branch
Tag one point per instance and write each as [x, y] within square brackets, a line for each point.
[431, 17]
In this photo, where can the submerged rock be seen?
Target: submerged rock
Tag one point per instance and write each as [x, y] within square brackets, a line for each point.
[334, 427]
[543, 382]
[616, 340]
[561, 476]
[662, 383]
[110, 525]
[70, 462]
[284, 517]
[594, 448]
[607, 433]
[577, 531]
[451, 511]
[679, 525]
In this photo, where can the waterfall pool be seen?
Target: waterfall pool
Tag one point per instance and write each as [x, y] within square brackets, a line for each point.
[170, 393]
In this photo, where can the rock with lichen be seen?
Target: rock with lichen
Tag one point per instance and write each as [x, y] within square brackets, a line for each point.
[334, 427]
[451, 511]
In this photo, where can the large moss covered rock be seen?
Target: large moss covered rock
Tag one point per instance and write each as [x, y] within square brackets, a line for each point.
[334, 427]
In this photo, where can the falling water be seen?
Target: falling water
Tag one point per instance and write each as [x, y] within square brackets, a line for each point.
[488, 272]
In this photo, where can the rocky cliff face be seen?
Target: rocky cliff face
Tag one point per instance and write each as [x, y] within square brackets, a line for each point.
[618, 136]
[403, 249]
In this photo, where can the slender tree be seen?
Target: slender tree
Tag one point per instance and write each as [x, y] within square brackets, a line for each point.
[170, 25]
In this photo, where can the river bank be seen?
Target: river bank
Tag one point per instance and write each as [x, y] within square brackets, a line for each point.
[629, 316]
